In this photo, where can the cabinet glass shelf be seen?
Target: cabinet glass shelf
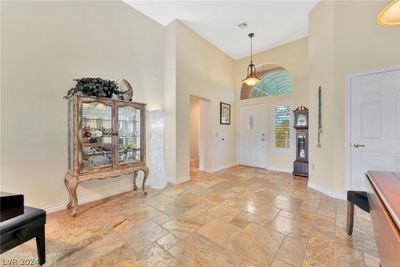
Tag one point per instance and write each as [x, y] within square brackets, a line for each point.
[96, 135]
[128, 135]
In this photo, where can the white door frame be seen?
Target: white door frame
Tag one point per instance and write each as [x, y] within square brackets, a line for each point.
[348, 116]
[246, 102]
[243, 104]
[205, 139]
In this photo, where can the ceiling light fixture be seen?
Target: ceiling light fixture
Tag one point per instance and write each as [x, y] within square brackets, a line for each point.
[251, 78]
[242, 25]
[390, 15]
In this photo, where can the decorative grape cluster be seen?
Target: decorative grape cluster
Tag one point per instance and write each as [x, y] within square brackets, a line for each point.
[96, 87]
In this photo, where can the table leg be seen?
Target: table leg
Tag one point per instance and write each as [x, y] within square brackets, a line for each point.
[350, 218]
[41, 244]
[72, 186]
[66, 182]
[135, 174]
[146, 174]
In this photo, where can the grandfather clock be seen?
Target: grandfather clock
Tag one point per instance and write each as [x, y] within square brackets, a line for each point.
[300, 165]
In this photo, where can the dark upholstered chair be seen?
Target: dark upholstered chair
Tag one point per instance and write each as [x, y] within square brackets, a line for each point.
[22, 228]
[358, 198]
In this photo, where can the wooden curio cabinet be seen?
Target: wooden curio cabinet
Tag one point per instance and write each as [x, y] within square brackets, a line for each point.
[106, 138]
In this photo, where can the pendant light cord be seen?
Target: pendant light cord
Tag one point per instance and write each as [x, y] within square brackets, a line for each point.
[251, 49]
[251, 35]
[251, 78]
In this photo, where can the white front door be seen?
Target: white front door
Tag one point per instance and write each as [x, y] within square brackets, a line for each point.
[375, 125]
[252, 135]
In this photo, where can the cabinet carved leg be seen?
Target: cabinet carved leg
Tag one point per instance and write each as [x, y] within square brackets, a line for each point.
[135, 173]
[146, 174]
[66, 179]
[72, 184]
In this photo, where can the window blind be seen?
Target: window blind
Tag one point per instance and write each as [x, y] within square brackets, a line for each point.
[282, 126]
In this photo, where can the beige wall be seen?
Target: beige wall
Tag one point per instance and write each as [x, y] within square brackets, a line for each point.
[203, 71]
[345, 39]
[170, 101]
[294, 58]
[44, 46]
[321, 68]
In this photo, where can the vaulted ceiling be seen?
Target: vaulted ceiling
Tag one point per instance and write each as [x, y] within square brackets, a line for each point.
[273, 22]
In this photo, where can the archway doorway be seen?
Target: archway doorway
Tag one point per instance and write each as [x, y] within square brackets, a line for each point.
[200, 131]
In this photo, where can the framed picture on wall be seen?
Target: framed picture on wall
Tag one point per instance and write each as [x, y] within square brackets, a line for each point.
[225, 113]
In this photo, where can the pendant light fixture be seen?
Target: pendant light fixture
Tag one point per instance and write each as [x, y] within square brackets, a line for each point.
[251, 78]
[390, 15]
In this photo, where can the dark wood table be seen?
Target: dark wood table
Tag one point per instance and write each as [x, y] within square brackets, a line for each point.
[384, 200]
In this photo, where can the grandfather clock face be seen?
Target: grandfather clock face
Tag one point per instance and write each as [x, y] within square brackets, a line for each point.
[301, 120]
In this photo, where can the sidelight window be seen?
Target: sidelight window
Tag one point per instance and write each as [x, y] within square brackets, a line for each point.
[282, 117]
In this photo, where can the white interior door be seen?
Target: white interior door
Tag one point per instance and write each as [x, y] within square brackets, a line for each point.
[375, 125]
[252, 135]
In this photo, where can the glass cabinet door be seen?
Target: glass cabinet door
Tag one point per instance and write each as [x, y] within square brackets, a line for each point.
[129, 143]
[96, 136]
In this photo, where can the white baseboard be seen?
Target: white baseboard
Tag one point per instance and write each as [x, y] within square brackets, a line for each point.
[183, 180]
[179, 181]
[278, 169]
[216, 169]
[170, 180]
[90, 198]
[159, 187]
[326, 191]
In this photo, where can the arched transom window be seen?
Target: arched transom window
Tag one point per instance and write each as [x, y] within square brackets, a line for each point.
[275, 80]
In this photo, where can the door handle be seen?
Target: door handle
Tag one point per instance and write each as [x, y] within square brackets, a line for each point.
[358, 145]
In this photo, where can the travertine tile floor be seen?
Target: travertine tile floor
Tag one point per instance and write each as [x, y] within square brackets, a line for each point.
[240, 216]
